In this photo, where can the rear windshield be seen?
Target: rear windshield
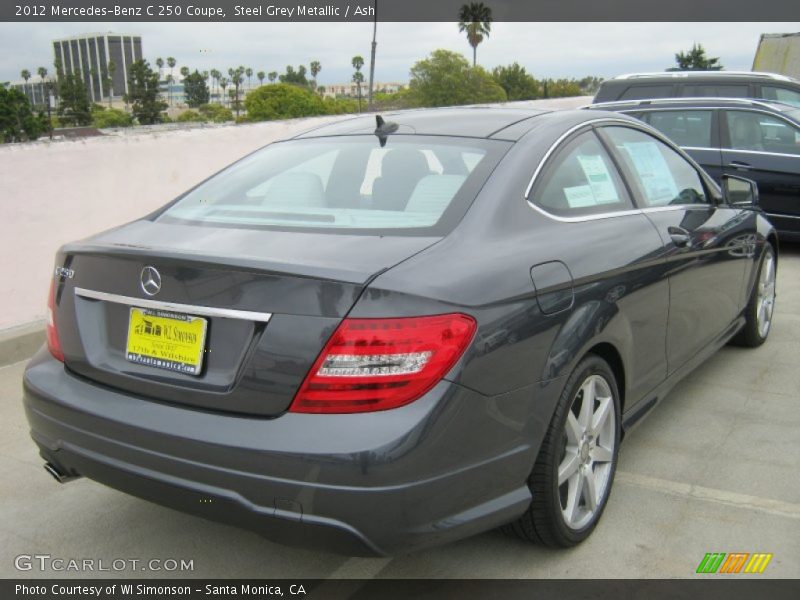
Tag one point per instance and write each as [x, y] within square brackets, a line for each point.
[419, 185]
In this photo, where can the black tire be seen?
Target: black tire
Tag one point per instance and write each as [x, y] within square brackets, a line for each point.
[543, 522]
[752, 334]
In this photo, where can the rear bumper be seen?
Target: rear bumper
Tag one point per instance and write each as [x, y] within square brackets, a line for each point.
[447, 466]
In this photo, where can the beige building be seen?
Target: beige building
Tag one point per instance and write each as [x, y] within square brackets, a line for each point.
[350, 89]
[778, 53]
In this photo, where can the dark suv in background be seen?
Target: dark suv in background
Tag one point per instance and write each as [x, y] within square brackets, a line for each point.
[701, 84]
[750, 138]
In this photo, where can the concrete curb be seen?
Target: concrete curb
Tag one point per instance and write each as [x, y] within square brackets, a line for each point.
[21, 342]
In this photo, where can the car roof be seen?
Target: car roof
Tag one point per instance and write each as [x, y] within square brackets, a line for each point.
[503, 123]
[704, 102]
[674, 76]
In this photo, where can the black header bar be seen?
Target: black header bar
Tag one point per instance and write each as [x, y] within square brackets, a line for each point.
[395, 10]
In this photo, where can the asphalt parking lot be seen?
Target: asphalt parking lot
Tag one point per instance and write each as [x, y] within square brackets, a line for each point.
[715, 468]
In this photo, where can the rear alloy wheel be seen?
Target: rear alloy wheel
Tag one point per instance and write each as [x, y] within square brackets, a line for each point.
[760, 308]
[572, 478]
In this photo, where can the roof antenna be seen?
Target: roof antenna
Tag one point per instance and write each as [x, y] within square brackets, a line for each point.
[383, 129]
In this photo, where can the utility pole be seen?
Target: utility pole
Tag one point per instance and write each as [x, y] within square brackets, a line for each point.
[372, 57]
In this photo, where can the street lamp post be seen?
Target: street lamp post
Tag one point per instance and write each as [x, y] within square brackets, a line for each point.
[372, 56]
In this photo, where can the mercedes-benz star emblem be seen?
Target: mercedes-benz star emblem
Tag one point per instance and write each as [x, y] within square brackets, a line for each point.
[150, 280]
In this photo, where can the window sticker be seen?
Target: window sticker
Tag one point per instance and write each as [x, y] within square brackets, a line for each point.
[600, 181]
[657, 180]
[580, 196]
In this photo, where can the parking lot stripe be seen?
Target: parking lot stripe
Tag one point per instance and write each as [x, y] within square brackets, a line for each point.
[688, 490]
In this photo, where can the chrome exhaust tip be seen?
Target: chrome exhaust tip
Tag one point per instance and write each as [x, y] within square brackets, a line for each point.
[56, 473]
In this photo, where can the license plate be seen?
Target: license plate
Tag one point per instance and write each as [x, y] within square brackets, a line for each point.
[166, 340]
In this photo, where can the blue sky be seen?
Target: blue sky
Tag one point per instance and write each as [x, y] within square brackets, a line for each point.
[545, 49]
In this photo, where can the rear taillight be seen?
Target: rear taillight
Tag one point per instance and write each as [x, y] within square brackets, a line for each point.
[378, 364]
[53, 343]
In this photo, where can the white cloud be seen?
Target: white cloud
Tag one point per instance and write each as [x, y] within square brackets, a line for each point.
[545, 49]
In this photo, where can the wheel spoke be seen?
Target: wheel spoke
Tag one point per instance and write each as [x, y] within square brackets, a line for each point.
[601, 454]
[587, 405]
[601, 414]
[589, 489]
[573, 497]
[568, 466]
[573, 429]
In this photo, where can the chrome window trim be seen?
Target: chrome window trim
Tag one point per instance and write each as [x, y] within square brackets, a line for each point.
[760, 152]
[619, 213]
[713, 74]
[782, 216]
[193, 309]
[673, 103]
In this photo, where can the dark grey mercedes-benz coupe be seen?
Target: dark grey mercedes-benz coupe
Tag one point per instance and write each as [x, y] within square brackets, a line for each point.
[393, 332]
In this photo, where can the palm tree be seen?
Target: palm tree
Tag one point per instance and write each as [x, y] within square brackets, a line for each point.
[476, 19]
[261, 76]
[185, 72]
[249, 72]
[223, 83]
[358, 76]
[25, 74]
[215, 75]
[160, 65]
[273, 75]
[42, 72]
[315, 67]
[171, 62]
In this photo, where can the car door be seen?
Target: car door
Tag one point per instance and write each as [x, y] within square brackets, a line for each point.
[696, 130]
[706, 244]
[766, 148]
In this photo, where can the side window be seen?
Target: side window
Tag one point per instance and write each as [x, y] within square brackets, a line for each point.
[684, 127]
[644, 92]
[581, 180]
[700, 90]
[787, 96]
[662, 175]
[749, 130]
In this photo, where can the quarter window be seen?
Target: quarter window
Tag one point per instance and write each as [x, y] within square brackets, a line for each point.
[780, 94]
[684, 127]
[700, 90]
[662, 176]
[644, 92]
[756, 131]
[582, 180]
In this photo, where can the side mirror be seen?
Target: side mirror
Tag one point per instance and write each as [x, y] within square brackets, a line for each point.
[739, 192]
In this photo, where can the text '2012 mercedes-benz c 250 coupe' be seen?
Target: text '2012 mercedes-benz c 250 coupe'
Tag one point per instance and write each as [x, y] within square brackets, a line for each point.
[379, 336]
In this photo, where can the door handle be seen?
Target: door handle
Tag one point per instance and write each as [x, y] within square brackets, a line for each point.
[679, 236]
[737, 164]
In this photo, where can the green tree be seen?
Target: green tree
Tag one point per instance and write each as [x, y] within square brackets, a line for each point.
[74, 107]
[248, 73]
[446, 78]
[143, 93]
[315, 67]
[358, 76]
[111, 69]
[273, 75]
[160, 65]
[294, 77]
[260, 75]
[516, 82]
[476, 19]
[696, 60]
[196, 90]
[17, 121]
[282, 101]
